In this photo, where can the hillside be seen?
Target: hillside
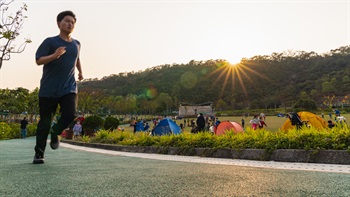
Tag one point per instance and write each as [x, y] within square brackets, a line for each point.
[277, 80]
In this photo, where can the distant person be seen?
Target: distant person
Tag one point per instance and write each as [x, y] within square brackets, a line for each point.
[24, 124]
[211, 129]
[217, 122]
[341, 119]
[200, 122]
[262, 123]
[242, 122]
[255, 122]
[337, 113]
[295, 120]
[77, 129]
[60, 57]
[146, 128]
[182, 127]
[330, 124]
[262, 115]
[134, 124]
[81, 118]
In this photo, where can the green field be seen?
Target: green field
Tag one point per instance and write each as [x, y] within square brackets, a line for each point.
[274, 123]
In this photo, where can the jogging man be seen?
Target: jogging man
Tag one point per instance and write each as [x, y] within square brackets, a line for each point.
[60, 57]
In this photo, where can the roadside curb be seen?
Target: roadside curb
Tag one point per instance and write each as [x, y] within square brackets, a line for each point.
[282, 155]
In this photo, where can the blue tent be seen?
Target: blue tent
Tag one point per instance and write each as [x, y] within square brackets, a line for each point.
[139, 126]
[166, 127]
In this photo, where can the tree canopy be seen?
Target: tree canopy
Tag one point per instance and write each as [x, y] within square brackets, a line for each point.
[278, 80]
[299, 79]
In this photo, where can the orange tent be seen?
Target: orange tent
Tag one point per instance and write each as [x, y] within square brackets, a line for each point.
[308, 118]
[227, 126]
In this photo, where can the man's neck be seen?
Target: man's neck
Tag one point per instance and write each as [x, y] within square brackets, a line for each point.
[65, 37]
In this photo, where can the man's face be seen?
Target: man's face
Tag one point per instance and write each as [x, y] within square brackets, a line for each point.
[66, 24]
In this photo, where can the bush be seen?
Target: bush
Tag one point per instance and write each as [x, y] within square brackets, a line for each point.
[111, 123]
[305, 138]
[15, 130]
[93, 123]
[31, 130]
[5, 131]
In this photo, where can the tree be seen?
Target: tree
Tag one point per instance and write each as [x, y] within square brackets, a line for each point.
[327, 87]
[306, 104]
[165, 102]
[221, 105]
[10, 26]
[303, 95]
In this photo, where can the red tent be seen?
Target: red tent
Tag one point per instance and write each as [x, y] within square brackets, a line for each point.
[227, 126]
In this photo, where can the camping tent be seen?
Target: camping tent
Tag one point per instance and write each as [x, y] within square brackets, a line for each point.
[308, 118]
[139, 126]
[166, 127]
[227, 126]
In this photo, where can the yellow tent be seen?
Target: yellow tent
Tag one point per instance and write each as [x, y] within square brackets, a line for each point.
[308, 118]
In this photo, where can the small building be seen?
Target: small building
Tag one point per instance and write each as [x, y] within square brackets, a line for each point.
[191, 110]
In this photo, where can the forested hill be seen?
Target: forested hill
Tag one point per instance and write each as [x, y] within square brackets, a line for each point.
[268, 81]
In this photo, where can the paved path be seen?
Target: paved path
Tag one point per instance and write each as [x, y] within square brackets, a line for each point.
[236, 162]
[81, 171]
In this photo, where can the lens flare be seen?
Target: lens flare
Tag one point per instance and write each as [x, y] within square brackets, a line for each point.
[188, 80]
[151, 93]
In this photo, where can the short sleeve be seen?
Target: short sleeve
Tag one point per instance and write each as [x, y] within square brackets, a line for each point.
[43, 50]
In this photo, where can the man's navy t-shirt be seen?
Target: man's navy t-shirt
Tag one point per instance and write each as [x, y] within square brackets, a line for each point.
[58, 77]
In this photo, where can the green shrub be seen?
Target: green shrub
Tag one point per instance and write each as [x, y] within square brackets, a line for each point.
[111, 123]
[85, 139]
[31, 130]
[5, 131]
[15, 131]
[92, 123]
[306, 138]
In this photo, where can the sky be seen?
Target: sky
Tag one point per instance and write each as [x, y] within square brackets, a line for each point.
[124, 36]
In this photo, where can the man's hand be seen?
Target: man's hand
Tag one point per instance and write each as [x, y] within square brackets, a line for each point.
[59, 51]
[80, 76]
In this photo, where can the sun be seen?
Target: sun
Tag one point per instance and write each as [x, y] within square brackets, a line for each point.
[235, 73]
[234, 60]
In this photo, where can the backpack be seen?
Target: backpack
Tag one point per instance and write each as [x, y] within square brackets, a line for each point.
[295, 119]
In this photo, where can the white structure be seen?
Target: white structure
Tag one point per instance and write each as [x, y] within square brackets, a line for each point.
[186, 110]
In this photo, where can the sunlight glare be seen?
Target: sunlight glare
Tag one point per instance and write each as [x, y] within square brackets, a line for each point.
[231, 72]
[234, 60]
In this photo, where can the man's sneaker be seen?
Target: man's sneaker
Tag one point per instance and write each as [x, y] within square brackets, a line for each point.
[38, 159]
[55, 141]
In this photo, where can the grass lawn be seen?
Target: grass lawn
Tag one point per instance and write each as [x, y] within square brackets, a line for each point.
[274, 123]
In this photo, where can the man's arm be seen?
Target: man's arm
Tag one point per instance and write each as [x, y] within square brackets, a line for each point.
[80, 74]
[46, 59]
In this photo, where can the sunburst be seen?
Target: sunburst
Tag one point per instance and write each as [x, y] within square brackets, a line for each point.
[231, 72]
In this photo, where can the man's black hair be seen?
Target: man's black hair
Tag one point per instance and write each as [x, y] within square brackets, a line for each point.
[61, 15]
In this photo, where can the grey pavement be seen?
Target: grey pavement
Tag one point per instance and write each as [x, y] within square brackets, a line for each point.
[81, 171]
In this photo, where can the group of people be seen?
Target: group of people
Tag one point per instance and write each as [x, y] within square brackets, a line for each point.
[209, 123]
[258, 121]
[338, 118]
[204, 123]
[142, 125]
